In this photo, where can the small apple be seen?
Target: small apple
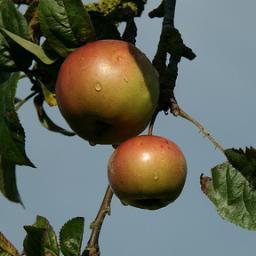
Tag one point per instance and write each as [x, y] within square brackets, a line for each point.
[107, 91]
[147, 172]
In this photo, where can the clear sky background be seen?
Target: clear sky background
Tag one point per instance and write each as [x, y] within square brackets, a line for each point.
[218, 88]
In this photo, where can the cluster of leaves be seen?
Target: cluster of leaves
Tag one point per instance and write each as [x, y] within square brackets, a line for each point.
[41, 239]
[34, 45]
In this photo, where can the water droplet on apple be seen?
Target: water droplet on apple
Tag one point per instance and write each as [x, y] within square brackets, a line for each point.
[156, 177]
[92, 143]
[119, 58]
[98, 87]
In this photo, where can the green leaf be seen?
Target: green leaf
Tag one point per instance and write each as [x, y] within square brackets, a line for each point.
[35, 49]
[12, 135]
[4, 75]
[244, 161]
[71, 236]
[12, 56]
[50, 242]
[7, 247]
[65, 24]
[232, 195]
[46, 121]
[104, 26]
[34, 241]
[8, 185]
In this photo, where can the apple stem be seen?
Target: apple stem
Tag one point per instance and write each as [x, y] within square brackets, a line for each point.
[152, 122]
[201, 128]
[92, 248]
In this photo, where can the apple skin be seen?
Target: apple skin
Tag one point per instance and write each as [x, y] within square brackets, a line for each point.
[107, 91]
[147, 172]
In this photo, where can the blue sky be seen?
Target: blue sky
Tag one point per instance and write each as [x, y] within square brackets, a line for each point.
[218, 88]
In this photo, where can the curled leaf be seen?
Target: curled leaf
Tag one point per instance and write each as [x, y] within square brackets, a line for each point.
[45, 120]
[8, 185]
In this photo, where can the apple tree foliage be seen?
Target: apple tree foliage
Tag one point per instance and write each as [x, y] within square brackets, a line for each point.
[33, 44]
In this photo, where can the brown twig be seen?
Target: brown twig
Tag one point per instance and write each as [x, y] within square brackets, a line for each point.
[201, 128]
[92, 248]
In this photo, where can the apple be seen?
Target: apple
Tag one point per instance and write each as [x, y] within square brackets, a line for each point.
[147, 172]
[107, 91]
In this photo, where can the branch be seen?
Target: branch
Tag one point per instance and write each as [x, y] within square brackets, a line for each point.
[201, 128]
[169, 11]
[92, 248]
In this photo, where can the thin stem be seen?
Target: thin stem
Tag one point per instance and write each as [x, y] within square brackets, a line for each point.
[92, 247]
[216, 144]
[152, 122]
[20, 103]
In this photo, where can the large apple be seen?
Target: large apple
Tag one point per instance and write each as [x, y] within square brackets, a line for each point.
[147, 172]
[107, 91]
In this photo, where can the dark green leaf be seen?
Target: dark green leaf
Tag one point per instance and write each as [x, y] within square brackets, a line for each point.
[12, 56]
[7, 247]
[65, 24]
[50, 242]
[232, 194]
[34, 241]
[46, 121]
[35, 49]
[244, 161]
[71, 236]
[104, 26]
[8, 185]
[12, 135]
[4, 75]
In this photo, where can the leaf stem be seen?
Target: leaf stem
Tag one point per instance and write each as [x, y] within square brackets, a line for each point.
[21, 102]
[92, 248]
[201, 128]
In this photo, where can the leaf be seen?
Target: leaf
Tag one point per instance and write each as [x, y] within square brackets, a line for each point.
[46, 121]
[71, 236]
[65, 24]
[50, 242]
[7, 247]
[8, 185]
[4, 75]
[104, 26]
[49, 97]
[232, 195]
[34, 241]
[12, 56]
[244, 161]
[12, 135]
[35, 49]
